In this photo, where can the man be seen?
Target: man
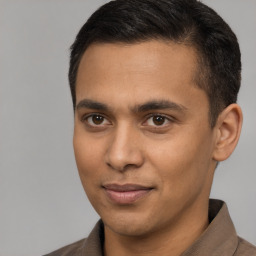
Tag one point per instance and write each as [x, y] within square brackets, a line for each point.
[154, 86]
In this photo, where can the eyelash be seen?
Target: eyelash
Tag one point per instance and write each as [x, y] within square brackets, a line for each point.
[91, 115]
[86, 117]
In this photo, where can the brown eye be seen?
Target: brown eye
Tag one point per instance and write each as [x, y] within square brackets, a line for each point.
[158, 120]
[96, 119]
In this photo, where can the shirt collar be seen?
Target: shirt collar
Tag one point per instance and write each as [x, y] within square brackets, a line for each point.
[220, 236]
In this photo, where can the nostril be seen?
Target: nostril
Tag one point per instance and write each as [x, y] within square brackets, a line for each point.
[123, 168]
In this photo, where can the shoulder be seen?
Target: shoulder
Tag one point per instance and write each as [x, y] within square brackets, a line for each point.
[71, 249]
[92, 245]
[245, 248]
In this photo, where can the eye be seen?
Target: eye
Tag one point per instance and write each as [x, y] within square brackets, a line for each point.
[96, 120]
[157, 120]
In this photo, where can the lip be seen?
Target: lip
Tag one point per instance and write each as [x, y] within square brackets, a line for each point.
[126, 193]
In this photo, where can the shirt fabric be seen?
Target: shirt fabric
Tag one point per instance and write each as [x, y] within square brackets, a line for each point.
[219, 239]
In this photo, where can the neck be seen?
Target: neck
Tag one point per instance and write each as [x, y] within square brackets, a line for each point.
[174, 240]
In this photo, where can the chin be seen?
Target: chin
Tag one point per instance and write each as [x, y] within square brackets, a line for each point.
[129, 225]
[129, 230]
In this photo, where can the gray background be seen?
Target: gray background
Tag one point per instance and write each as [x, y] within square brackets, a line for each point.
[42, 204]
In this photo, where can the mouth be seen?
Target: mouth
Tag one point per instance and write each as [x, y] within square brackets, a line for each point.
[127, 193]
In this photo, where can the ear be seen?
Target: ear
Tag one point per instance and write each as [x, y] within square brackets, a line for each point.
[228, 128]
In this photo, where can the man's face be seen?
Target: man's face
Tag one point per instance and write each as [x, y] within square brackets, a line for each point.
[142, 139]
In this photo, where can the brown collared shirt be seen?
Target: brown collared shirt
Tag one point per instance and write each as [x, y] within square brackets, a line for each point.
[219, 239]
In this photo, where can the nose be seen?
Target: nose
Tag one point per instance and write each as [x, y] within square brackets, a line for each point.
[125, 150]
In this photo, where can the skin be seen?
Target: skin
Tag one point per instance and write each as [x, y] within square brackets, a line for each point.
[141, 119]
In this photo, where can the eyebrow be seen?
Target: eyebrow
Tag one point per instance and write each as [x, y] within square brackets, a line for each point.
[159, 104]
[86, 103]
[150, 105]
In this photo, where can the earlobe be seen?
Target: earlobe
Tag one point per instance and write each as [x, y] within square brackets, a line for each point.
[228, 127]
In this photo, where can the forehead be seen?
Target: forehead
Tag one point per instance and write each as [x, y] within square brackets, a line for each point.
[136, 72]
[143, 56]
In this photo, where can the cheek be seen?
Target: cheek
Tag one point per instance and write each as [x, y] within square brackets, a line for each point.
[88, 155]
[182, 163]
